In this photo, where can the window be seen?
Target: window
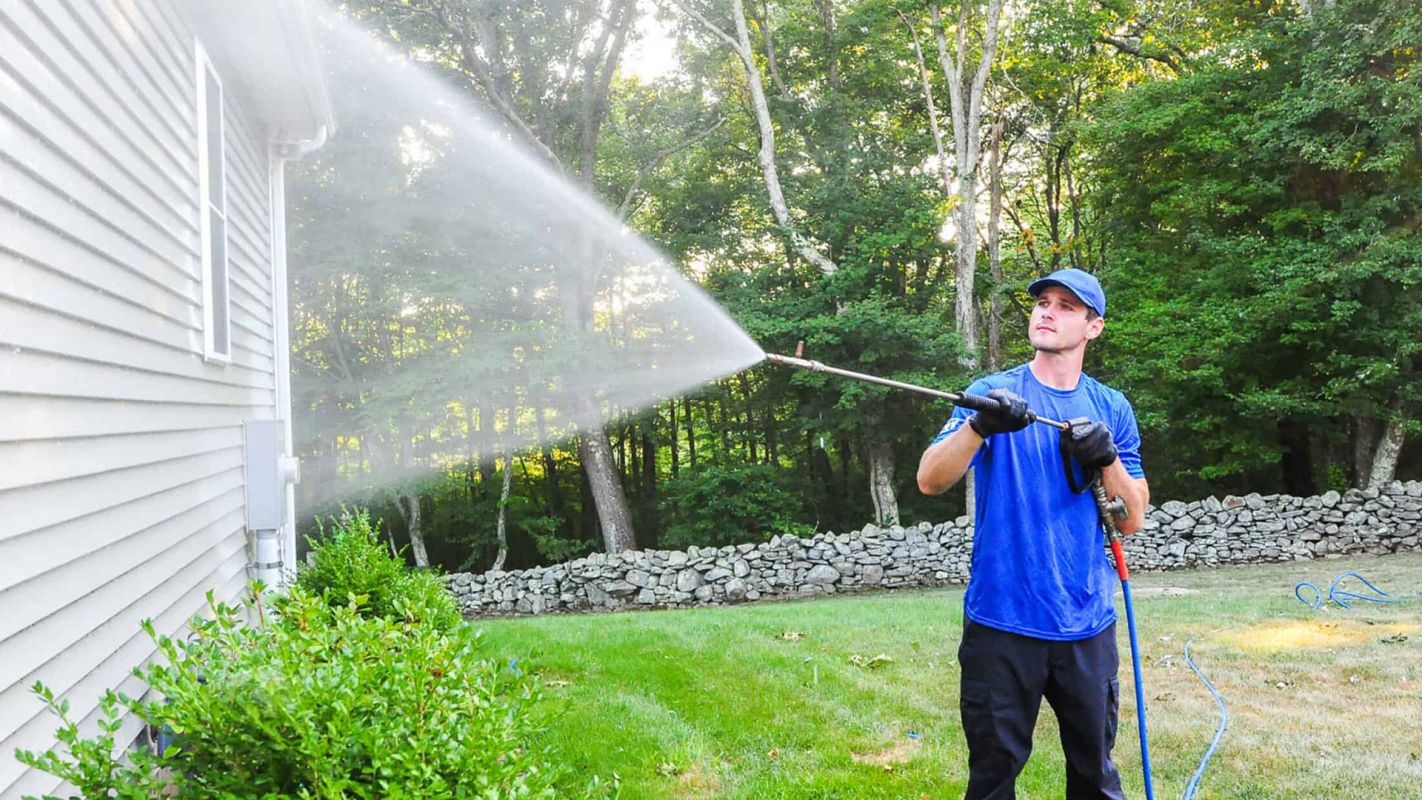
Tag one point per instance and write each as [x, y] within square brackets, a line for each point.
[212, 192]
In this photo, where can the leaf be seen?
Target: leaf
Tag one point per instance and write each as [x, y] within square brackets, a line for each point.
[876, 662]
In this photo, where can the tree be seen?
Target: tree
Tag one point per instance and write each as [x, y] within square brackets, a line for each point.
[1264, 212]
[547, 68]
[967, 83]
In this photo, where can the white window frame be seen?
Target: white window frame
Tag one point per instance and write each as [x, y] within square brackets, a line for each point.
[217, 322]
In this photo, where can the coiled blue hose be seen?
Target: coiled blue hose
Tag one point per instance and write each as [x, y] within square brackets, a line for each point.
[1342, 597]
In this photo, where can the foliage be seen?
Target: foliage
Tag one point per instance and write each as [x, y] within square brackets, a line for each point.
[328, 701]
[1244, 177]
[352, 563]
[92, 766]
[1264, 210]
[716, 506]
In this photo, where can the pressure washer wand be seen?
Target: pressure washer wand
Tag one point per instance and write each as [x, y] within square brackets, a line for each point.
[973, 401]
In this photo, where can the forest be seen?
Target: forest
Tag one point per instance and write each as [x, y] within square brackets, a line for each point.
[881, 179]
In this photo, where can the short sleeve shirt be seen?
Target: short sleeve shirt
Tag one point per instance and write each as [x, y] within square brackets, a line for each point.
[1039, 566]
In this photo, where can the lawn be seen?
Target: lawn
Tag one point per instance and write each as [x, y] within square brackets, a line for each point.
[856, 696]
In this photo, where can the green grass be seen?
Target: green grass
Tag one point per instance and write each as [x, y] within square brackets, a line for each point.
[765, 701]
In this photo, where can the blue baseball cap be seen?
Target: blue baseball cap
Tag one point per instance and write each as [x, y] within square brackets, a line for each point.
[1082, 284]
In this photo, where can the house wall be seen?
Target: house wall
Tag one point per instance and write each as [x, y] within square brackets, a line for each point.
[121, 481]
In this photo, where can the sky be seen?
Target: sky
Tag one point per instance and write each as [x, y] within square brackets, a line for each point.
[653, 53]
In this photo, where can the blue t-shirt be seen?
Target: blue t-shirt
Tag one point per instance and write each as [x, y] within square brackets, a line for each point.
[1039, 565]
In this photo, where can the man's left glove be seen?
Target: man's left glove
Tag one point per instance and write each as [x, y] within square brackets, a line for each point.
[1092, 445]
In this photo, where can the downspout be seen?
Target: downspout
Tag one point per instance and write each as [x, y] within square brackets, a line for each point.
[281, 153]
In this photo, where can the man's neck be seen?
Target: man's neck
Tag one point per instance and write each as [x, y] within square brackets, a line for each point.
[1058, 370]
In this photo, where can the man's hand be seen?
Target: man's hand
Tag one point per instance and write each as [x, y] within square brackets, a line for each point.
[1010, 415]
[1092, 445]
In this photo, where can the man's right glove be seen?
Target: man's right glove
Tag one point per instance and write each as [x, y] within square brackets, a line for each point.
[1092, 445]
[1010, 415]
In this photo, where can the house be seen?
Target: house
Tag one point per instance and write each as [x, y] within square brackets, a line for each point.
[144, 395]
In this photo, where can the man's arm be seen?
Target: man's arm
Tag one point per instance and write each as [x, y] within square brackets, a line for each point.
[1134, 491]
[945, 461]
[944, 464]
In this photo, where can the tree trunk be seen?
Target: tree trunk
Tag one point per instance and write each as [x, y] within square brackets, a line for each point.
[1296, 460]
[550, 469]
[594, 447]
[409, 508]
[649, 467]
[690, 431]
[1384, 466]
[970, 495]
[994, 243]
[675, 442]
[723, 417]
[605, 484]
[502, 529]
[842, 447]
[486, 444]
[762, 21]
[965, 309]
[881, 482]
[826, 9]
[634, 464]
[588, 526]
[965, 101]
[1365, 443]
[770, 174]
[408, 503]
[750, 420]
[772, 443]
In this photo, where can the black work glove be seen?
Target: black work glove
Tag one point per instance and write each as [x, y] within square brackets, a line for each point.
[1092, 445]
[1010, 415]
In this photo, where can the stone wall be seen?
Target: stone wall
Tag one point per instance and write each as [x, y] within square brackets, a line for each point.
[1235, 530]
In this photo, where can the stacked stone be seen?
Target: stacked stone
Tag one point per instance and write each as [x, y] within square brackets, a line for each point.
[1263, 528]
[920, 555]
[1236, 530]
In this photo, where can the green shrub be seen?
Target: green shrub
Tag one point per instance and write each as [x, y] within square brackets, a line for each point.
[721, 505]
[353, 562]
[328, 702]
[92, 767]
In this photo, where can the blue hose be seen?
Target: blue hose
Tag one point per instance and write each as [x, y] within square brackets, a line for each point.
[1140, 690]
[1342, 597]
[1194, 784]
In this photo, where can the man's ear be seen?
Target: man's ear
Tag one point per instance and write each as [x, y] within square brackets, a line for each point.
[1094, 328]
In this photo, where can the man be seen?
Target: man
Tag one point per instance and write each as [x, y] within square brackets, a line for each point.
[1040, 615]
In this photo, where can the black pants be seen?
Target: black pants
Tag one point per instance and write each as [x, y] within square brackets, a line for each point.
[1005, 677]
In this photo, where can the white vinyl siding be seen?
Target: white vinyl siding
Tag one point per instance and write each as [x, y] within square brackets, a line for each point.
[121, 495]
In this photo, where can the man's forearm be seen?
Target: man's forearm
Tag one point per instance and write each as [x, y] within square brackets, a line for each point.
[944, 463]
[1134, 491]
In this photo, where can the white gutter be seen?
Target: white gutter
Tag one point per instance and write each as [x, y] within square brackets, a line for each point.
[281, 153]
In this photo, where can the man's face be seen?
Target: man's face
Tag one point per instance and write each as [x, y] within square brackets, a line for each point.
[1059, 322]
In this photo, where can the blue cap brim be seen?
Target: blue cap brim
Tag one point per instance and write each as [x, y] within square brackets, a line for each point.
[1035, 288]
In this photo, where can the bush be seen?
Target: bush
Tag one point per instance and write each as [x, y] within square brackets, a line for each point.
[716, 506]
[353, 563]
[91, 767]
[327, 702]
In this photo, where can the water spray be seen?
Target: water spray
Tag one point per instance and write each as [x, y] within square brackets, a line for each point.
[1110, 510]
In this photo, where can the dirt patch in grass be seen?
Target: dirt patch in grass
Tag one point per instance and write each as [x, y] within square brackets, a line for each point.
[1289, 634]
[898, 753]
[695, 781]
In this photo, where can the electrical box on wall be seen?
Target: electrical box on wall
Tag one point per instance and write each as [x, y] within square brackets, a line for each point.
[267, 471]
